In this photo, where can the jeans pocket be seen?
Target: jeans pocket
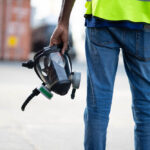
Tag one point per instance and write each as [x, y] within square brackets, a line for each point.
[101, 36]
[143, 43]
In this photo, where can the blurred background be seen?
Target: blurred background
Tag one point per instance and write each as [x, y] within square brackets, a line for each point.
[25, 28]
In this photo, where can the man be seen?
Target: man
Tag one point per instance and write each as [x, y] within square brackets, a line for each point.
[111, 25]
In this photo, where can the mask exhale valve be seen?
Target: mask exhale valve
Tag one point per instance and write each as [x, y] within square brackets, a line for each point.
[55, 72]
[75, 79]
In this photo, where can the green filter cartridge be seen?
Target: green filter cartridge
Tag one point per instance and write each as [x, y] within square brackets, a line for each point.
[45, 92]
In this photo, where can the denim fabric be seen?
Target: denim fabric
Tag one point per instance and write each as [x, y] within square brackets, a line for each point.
[102, 52]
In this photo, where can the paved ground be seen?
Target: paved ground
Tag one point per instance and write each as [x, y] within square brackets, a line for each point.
[56, 124]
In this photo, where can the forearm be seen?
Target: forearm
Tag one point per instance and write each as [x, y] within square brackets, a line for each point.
[66, 9]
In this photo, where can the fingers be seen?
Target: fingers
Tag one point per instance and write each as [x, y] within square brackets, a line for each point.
[60, 36]
[55, 40]
[65, 46]
[59, 41]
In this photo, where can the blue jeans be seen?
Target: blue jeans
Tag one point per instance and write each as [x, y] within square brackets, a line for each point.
[102, 52]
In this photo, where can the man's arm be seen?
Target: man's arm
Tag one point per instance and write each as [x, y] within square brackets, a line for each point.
[60, 34]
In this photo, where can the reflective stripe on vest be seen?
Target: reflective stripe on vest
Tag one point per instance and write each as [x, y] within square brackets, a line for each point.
[116, 10]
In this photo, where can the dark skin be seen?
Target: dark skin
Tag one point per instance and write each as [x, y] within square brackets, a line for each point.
[60, 35]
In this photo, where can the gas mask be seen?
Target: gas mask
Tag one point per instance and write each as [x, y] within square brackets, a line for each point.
[55, 72]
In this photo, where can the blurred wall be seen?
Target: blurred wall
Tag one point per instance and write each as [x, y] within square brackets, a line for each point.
[14, 29]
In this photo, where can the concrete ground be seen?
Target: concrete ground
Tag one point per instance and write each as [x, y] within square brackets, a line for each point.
[56, 124]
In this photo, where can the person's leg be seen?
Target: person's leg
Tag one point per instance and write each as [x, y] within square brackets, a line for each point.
[102, 59]
[137, 65]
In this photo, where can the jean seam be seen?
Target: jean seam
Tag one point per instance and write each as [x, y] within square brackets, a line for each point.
[136, 52]
[92, 89]
[123, 36]
[137, 43]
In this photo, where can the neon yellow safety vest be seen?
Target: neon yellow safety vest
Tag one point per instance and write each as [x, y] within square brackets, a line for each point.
[117, 10]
